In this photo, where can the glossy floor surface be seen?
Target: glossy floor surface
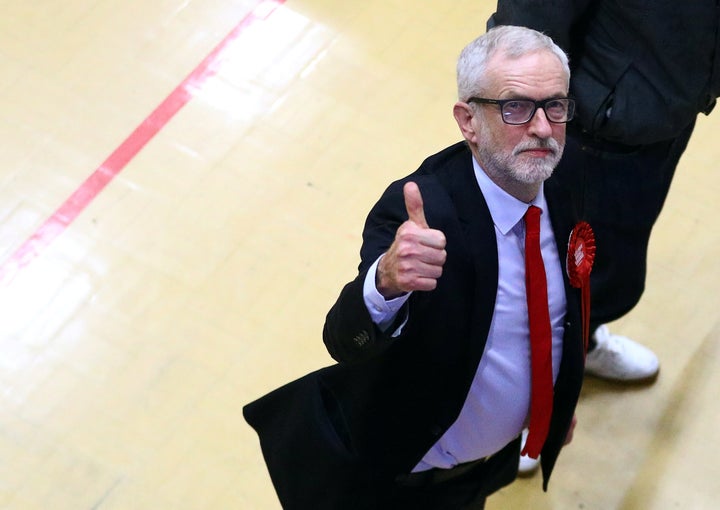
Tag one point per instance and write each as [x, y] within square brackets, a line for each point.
[182, 191]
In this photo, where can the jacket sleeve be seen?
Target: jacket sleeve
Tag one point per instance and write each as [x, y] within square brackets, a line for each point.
[349, 333]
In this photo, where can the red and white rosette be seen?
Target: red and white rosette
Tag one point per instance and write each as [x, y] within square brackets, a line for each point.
[580, 258]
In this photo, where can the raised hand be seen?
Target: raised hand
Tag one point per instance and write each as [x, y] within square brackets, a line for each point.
[416, 257]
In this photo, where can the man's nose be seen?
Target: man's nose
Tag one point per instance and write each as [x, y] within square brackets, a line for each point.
[539, 125]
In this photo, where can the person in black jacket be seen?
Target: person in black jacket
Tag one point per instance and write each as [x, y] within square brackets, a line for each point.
[432, 385]
[641, 73]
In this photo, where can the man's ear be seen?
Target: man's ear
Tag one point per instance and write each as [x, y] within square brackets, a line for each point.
[463, 114]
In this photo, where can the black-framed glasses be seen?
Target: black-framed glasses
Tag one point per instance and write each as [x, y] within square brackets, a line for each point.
[558, 110]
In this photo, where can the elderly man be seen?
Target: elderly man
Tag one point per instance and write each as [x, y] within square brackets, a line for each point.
[444, 355]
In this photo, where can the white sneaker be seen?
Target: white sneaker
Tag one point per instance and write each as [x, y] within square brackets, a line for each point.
[527, 466]
[619, 358]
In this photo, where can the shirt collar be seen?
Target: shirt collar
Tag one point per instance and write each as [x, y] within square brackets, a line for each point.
[506, 210]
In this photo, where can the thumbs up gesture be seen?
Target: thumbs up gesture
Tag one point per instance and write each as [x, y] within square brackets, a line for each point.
[415, 259]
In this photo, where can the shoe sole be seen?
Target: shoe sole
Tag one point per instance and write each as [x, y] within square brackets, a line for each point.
[645, 381]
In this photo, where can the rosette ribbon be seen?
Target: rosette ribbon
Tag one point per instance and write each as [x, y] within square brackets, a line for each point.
[580, 258]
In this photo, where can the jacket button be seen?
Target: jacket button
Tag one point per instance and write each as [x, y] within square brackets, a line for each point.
[361, 338]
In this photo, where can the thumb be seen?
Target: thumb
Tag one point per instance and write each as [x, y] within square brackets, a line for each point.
[414, 204]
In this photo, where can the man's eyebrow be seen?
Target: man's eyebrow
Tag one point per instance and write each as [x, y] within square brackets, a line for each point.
[528, 98]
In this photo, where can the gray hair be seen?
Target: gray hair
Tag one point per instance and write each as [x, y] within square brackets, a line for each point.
[513, 41]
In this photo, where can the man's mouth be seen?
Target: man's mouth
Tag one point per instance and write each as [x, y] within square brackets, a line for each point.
[538, 152]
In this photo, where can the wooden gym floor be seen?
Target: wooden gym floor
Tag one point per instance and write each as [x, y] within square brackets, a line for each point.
[181, 197]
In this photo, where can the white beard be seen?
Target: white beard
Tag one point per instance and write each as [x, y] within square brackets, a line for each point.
[526, 170]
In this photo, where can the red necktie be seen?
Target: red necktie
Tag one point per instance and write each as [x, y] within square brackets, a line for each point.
[541, 396]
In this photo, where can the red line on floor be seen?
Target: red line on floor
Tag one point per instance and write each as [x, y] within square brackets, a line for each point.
[133, 144]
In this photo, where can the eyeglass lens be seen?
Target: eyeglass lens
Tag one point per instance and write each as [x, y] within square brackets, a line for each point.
[521, 111]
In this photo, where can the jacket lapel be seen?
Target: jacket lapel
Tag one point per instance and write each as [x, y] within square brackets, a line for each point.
[481, 245]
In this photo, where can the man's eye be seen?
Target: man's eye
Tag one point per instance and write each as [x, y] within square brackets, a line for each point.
[515, 106]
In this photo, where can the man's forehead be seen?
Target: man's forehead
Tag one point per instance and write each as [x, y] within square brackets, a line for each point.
[536, 71]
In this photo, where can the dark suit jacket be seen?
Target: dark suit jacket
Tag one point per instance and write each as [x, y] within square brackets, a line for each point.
[338, 437]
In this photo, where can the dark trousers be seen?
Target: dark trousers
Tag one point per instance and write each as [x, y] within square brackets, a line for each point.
[620, 191]
[464, 487]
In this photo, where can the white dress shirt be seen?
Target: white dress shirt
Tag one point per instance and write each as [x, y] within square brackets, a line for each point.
[497, 406]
